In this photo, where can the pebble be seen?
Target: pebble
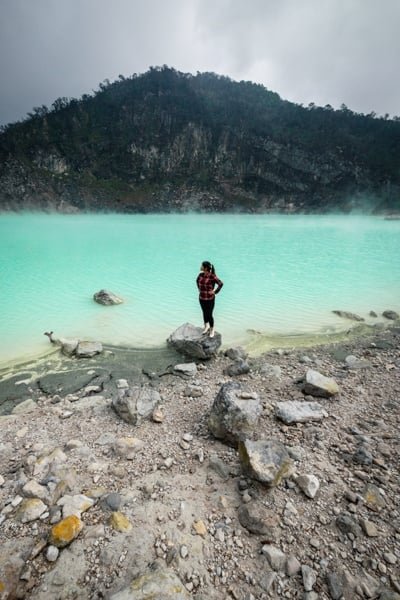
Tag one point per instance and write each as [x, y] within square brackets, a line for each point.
[309, 577]
[52, 553]
[183, 551]
[390, 558]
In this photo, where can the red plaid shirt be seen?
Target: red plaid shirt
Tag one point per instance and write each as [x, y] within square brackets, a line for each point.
[206, 282]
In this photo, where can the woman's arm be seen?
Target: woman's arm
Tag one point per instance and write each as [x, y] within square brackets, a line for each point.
[219, 284]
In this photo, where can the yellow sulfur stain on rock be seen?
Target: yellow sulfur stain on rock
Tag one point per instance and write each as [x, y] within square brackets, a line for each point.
[64, 532]
[2, 586]
[120, 522]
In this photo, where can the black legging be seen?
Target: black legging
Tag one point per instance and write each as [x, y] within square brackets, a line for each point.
[207, 306]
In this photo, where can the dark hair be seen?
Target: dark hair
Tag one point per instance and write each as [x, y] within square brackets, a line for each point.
[208, 266]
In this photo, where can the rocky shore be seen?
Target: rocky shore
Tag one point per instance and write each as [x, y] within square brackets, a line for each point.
[274, 476]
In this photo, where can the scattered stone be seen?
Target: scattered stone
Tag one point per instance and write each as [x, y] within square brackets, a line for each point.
[256, 518]
[158, 415]
[295, 411]
[30, 510]
[161, 583]
[363, 456]
[292, 566]
[113, 501]
[32, 489]
[120, 522]
[309, 484]
[271, 371]
[369, 528]
[309, 577]
[64, 532]
[186, 369]
[193, 391]
[231, 418]
[26, 406]
[218, 465]
[347, 524]
[239, 367]
[237, 353]
[75, 505]
[200, 528]
[183, 551]
[122, 384]
[355, 363]
[265, 460]
[390, 558]
[52, 553]
[275, 556]
[128, 447]
[373, 497]
[136, 404]
[319, 385]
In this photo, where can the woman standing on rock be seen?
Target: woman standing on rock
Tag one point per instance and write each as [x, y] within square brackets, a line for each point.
[206, 282]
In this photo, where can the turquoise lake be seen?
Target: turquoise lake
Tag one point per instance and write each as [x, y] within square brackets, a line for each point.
[283, 275]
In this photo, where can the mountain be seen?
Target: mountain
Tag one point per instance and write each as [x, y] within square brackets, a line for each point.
[171, 141]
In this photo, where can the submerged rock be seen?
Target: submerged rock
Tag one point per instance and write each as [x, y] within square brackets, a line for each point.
[348, 315]
[190, 341]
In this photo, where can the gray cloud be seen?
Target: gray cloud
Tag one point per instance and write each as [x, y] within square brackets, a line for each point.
[322, 51]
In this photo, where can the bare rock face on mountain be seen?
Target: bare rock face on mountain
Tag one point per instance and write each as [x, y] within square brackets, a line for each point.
[190, 341]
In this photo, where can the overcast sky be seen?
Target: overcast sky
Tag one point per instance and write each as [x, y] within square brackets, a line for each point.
[321, 51]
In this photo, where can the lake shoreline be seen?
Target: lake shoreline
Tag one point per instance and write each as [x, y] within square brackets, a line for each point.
[256, 344]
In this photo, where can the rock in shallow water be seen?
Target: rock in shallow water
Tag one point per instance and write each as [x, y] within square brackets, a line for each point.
[107, 298]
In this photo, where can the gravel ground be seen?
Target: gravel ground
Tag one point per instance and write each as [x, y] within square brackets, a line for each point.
[166, 493]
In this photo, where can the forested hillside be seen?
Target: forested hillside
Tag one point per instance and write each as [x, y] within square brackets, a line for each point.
[167, 140]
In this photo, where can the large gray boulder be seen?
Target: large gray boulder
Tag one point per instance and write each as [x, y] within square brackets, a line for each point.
[107, 298]
[318, 385]
[190, 341]
[266, 461]
[135, 404]
[234, 413]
